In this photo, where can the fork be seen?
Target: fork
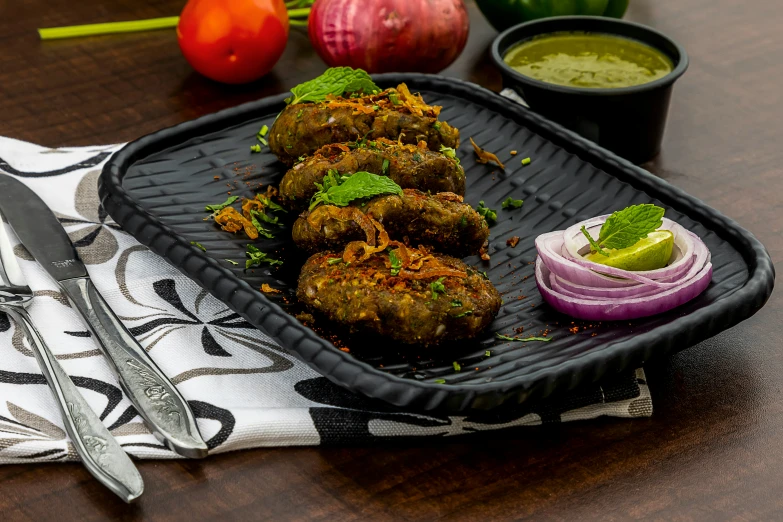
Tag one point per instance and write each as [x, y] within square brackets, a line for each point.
[99, 451]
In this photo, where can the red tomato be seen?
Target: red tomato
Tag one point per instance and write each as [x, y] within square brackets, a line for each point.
[233, 41]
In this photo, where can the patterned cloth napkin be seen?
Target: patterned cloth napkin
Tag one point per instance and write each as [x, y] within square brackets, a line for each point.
[244, 389]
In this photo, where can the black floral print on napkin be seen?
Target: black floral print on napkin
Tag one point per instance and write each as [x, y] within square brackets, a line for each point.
[166, 289]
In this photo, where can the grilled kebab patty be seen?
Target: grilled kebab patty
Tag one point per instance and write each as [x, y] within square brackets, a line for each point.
[366, 298]
[442, 221]
[303, 128]
[407, 165]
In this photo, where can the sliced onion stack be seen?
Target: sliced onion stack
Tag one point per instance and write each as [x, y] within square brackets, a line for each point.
[585, 290]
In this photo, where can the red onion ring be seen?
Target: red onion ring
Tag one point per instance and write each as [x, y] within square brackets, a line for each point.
[575, 240]
[572, 285]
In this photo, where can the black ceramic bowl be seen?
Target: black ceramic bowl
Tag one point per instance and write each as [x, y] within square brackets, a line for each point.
[629, 121]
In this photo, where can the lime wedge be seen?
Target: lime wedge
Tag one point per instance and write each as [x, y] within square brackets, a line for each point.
[650, 253]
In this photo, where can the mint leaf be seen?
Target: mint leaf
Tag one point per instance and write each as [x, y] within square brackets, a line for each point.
[336, 81]
[594, 246]
[256, 257]
[512, 203]
[436, 287]
[341, 191]
[626, 227]
[217, 208]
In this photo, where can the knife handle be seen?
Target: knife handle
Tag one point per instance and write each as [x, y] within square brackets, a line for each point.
[155, 397]
[100, 452]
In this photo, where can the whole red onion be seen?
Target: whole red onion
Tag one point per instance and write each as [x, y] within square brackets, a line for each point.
[389, 35]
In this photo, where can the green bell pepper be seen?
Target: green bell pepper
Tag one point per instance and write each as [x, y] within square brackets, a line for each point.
[502, 14]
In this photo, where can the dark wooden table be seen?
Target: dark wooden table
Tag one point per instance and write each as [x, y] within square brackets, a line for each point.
[713, 449]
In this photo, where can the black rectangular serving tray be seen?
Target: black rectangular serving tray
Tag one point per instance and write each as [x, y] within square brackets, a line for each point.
[156, 189]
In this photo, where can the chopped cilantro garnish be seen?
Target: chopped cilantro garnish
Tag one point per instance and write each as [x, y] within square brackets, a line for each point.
[385, 167]
[456, 303]
[449, 153]
[299, 114]
[456, 366]
[436, 287]
[436, 125]
[199, 245]
[517, 339]
[217, 208]
[464, 314]
[512, 203]
[490, 215]
[261, 230]
[255, 148]
[396, 263]
[268, 203]
[256, 257]
[262, 216]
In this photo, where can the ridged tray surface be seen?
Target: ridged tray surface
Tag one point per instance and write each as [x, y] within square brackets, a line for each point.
[156, 188]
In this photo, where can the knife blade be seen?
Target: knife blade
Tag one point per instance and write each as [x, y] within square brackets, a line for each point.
[164, 410]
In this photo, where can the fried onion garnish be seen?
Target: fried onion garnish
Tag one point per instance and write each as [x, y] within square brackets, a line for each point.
[232, 221]
[319, 217]
[485, 156]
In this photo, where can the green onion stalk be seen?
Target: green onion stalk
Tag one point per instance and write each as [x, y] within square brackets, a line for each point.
[298, 11]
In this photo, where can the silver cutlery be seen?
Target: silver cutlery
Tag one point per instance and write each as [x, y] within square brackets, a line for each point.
[100, 452]
[164, 410]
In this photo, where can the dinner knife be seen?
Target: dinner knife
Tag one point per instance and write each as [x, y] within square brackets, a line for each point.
[164, 410]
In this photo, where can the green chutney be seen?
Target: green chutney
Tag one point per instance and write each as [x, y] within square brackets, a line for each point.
[591, 60]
